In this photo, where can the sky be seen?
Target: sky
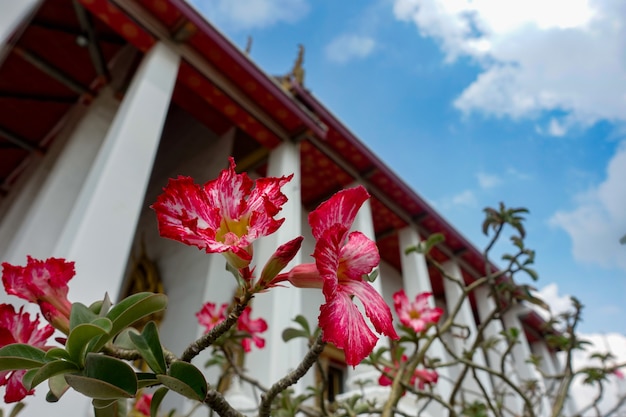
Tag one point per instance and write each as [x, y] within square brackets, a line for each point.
[477, 102]
[474, 102]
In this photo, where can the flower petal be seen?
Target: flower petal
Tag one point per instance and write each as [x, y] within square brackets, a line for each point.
[358, 257]
[228, 192]
[344, 326]
[375, 306]
[341, 208]
[184, 214]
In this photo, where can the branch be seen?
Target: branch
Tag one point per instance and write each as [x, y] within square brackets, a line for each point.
[292, 377]
[207, 340]
[218, 403]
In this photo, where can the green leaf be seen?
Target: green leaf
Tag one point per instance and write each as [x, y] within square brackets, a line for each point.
[109, 408]
[146, 379]
[16, 409]
[157, 398]
[149, 346]
[290, 333]
[185, 379]
[81, 314]
[37, 376]
[79, 338]
[302, 321]
[21, 356]
[57, 353]
[104, 323]
[130, 310]
[58, 386]
[101, 308]
[104, 377]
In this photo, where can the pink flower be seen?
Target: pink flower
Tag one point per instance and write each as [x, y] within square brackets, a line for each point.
[418, 315]
[252, 328]
[341, 260]
[41, 282]
[17, 327]
[142, 405]
[224, 216]
[421, 376]
[209, 317]
[618, 373]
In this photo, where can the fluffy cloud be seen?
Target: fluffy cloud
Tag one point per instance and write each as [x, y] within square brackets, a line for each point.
[536, 55]
[488, 180]
[598, 221]
[248, 14]
[614, 343]
[347, 47]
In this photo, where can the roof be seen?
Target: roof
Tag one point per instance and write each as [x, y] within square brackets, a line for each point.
[61, 58]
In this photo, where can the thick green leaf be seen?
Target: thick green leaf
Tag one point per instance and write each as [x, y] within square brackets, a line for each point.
[58, 387]
[79, 338]
[185, 379]
[290, 333]
[157, 399]
[101, 308]
[37, 376]
[149, 346]
[98, 403]
[81, 314]
[108, 408]
[16, 409]
[57, 353]
[104, 377]
[95, 388]
[129, 310]
[302, 321]
[146, 379]
[104, 323]
[21, 356]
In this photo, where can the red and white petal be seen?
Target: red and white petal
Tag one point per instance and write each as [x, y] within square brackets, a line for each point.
[343, 325]
[266, 196]
[358, 257]
[15, 390]
[375, 306]
[183, 214]
[229, 191]
[341, 208]
[422, 301]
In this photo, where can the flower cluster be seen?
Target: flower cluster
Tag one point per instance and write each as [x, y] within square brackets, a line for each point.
[210, 316]
[17, 327]
[420, 377]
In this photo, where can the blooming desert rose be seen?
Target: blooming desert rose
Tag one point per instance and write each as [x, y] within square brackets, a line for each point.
[17, 327]
[417, 315]
[224, 215]
[43, 283]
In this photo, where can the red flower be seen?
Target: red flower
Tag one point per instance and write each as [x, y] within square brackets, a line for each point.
[17, 327]
[224, 216]
[252, 328]
[209, 317]
[142, 405]
[421, 376]
[418, 315]
[341, 260]
[44, 283]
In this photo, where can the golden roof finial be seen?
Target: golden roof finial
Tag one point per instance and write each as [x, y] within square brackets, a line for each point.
[248, 45]
[297, 71]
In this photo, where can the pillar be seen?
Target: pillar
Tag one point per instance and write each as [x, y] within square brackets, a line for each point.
[416, 280]
[280, 305]
[521, 353]
[486, 305]
[100, 229]
[465, 318]
[44, 218]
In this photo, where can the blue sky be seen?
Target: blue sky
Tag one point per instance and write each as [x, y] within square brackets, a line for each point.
[477, 102]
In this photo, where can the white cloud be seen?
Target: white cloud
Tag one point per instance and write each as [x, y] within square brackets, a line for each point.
[536, 55]
[464, 198]
[347, 47]
[248, 14]
[556, 128]
[598, 221]
[600, 343]
[488, 180]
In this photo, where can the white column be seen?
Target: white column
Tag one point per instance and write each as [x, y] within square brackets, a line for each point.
[279, 306]
[46, 216]
[465, 318]
[12, 15]
[100, 229]
[486, 305]
[521, 353]
[416, 280]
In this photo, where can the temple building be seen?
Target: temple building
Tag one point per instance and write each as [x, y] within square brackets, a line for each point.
[101, 101]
